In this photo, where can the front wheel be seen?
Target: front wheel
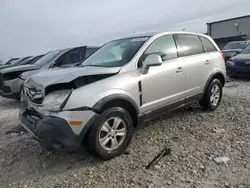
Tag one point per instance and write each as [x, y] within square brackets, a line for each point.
[213, 95]
[111, 134]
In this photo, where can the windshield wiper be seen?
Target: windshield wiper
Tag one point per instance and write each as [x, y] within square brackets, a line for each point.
[91, 65]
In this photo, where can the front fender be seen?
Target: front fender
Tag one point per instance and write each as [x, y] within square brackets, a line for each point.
[98, 99]
[116, 96]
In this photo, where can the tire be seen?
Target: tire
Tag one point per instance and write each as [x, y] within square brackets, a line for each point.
[100, 132]
[206, 102]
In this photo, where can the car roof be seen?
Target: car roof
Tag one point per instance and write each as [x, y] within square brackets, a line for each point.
[150, 34]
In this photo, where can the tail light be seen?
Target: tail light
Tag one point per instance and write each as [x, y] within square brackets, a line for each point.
[222, 55]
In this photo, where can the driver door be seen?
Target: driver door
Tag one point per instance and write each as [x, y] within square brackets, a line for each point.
[163, 85]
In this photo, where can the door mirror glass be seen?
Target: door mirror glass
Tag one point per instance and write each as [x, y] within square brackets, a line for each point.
[151, 60]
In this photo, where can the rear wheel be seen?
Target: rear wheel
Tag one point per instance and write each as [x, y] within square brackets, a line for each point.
[213, 95]
[111, 134]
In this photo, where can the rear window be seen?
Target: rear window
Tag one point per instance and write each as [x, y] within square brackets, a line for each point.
[235, 45]
[190, 44]
[208, 46]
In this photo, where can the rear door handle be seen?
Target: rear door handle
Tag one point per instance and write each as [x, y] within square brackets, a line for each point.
[207, 62]
[179, 69]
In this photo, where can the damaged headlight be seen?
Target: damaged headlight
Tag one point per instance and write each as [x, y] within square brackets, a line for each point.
[54, 100]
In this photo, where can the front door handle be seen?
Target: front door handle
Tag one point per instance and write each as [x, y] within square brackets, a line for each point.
[207, 62]
[179, 69]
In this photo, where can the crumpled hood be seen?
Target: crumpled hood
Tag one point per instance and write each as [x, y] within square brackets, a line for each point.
[65, 75]
[241, 58]
[19, 68]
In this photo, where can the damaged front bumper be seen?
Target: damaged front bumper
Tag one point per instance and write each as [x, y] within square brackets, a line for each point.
[11, 88]
[54, 130]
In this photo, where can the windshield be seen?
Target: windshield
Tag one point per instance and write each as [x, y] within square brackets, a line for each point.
[115, 53]
[18, 61]
[235, 45]
[25, 61]
[46, 58]
[246, 50]
[11, 61]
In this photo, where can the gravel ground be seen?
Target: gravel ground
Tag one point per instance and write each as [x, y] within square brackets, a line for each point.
[208, 149]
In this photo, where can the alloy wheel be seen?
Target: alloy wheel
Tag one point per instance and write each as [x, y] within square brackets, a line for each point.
[112, 133]
[215, 95]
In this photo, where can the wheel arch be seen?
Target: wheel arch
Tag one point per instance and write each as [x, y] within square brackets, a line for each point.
[216, 75]
[118, 100]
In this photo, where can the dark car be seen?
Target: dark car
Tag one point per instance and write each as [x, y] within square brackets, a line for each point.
[233, 48]
[239, 65]
[11, 79]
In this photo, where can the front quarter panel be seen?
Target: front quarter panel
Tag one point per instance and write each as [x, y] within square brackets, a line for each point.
[123, 84]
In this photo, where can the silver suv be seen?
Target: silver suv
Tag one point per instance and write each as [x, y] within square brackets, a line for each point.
[123, 84]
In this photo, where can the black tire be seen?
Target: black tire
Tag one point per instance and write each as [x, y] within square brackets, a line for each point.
[206, 103]
[94, 145]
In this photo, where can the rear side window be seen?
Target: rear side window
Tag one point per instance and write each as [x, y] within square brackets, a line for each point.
[208, 46]
[190, 44]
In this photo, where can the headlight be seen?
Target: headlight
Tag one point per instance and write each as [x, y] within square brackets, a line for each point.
[53, 101]
[230, 63]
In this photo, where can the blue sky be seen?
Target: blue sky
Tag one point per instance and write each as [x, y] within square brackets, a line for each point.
[30, 27]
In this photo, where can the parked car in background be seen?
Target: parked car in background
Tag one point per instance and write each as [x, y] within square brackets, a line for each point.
[12, 60]
[126, 82]
[233, 48]
[239, 65]
[20, 61]
[11, 79]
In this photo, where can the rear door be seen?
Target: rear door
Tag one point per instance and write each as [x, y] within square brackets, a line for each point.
[213, 54]
[196, 61]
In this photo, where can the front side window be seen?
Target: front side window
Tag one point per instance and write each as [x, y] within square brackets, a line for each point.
[191, 44]
[164, 46]
[73, 56]
[115, 53]
[46, 58]
[90, 51]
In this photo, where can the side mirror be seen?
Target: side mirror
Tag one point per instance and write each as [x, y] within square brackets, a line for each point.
[150, 61]
[55, 64]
